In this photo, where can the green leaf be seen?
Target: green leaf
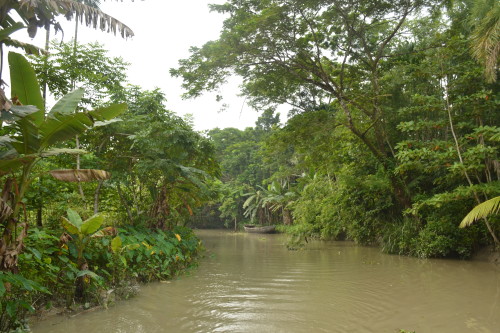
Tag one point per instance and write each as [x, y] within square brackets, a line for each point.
[92, 224]
[89, 273]
[5, 140]
[68, 103]
[74, 218]
[132, 247]
[116, 244]
[108, 113]
[24, 83]
[9, 154]
[107, 122]
[16, 112]
[29, 141]
[124, 261]
[26, 47]
[2, 288]
[37, 253]
[7, 166]
[60, 127]
[11, 308]
[69, 226]
[6, 32]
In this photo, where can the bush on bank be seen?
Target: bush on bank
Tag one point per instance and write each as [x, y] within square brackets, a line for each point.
[115, 263]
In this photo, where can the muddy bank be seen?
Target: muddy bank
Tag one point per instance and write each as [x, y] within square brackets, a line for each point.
[488, 254]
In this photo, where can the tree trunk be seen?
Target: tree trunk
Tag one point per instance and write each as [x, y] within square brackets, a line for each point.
[448, 106]
[124, 202]
[287, 217]
[39, 211]
[80, 283]
[96, 197]
[383, 155]
[44, 88]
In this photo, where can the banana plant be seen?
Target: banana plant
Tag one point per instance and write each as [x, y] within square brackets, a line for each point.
[34, 134]
[82, 232]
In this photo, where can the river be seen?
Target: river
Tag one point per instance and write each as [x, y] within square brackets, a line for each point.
[252, 283]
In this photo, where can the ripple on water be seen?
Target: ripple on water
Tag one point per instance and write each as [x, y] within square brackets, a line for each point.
[251, 283]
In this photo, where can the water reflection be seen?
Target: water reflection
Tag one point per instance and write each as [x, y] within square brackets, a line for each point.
[251, 283]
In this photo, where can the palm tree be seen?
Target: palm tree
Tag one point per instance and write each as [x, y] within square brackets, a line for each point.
[43, 13]
[91, 3]
[481, 211]
[485, 18]
[255, 204]
[278, 198]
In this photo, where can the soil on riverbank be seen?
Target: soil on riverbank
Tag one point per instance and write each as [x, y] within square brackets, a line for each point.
[488, 254]
[107, 298]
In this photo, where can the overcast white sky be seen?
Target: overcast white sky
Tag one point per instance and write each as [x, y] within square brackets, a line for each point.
[164, 31]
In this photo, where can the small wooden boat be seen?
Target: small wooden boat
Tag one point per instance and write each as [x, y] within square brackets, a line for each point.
[267, 229]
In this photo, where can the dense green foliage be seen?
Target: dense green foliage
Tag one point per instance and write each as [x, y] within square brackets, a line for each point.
[393, 133]
[146, 171]
[392, 137]
[141, 256]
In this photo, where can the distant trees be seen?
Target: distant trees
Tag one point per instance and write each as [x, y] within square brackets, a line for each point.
[392, 129]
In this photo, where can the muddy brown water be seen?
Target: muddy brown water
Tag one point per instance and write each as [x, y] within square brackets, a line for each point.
[252, 283]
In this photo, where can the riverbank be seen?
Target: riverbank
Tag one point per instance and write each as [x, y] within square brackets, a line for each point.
[52, 282]
[488, 254]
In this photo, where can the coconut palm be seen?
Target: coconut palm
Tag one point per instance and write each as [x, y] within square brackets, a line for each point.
[43, 13]
[485, 18]
[91, 3]
[36, 14]
[278, 198]
[481, 211]
[255, 204]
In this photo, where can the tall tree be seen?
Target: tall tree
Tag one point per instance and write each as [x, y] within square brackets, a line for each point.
[309, 52]
[161, 166]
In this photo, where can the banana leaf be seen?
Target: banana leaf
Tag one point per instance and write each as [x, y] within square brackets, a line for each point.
[80, 175]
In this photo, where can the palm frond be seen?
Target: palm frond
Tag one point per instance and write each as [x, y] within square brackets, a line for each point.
[486, 36]
[482, 210]
[41, 13]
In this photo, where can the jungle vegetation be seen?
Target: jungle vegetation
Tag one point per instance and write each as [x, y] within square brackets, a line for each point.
[392, 132]
[97, 180]
[391, 139]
